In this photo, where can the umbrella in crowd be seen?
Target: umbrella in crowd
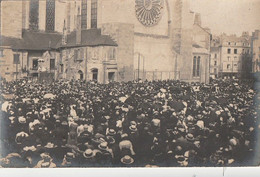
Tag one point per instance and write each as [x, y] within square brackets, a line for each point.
[133, 124]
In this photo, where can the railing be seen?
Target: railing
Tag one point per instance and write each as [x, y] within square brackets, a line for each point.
[157, 75]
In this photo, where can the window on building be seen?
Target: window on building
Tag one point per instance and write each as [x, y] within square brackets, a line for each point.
[215, 63]
[114, 53]
[61, 68]
[229, 51]
[50, 15]
[76, 54]
[215, 71]
[228, 58]
[235, 43]
[229, 43]
[81, 54]
[68, 17]
[228, 66]
[52, 64]
[216, 55]
[93, 13]
[1, 52]
[235, 51]
[84, 8]
[196, 66]
[35, 64]
[16, 59]
[235, 58]
[243, 51]
[34, 15]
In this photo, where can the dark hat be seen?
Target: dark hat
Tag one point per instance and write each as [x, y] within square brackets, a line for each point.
[127, 160]
[180, 158]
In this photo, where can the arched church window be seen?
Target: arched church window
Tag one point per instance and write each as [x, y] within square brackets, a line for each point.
[34, 15]
[93, 13]
[196, 66]
[50, 15]
[84, 8]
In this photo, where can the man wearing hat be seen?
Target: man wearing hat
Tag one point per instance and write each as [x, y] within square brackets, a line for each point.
[127, 161]
[46, 162]
[106, 155]
[89, 158]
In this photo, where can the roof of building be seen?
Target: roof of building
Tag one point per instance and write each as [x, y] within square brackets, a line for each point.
[198, 49]
[32, 40]
[9, 41]
[214, 49]
[90, 37]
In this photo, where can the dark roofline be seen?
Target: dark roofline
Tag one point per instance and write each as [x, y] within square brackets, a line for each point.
[202, 28]
[84, 45]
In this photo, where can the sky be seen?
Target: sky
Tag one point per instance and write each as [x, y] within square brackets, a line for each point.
[229, 16]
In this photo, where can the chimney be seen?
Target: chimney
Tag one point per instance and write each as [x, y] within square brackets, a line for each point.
[78, 29]
[64, 34]
[197, 19]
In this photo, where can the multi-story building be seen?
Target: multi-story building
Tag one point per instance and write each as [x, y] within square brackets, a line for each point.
[214, 57]
[104, 40]
[255, 50]
[233, 51]
[200, 51]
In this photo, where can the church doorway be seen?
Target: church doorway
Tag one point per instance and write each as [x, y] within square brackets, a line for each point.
[80, 75]
[94, 74]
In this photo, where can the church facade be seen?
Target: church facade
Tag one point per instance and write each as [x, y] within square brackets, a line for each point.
[107, 40]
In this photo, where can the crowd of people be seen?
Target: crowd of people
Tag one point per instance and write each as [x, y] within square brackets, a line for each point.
[133, 124]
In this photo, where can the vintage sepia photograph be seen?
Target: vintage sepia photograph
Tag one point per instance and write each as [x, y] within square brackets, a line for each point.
[129, 83]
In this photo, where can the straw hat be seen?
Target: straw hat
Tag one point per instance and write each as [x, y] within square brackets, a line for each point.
[133, 128]
[22, 120]
[190, 137]
[88, 154]
[103, 146]
[111, 132]
[127, 160]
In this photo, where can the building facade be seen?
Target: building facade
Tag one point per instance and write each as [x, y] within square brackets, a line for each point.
[233, 51]
[255, 50]
[215, 57]
[131, 42]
